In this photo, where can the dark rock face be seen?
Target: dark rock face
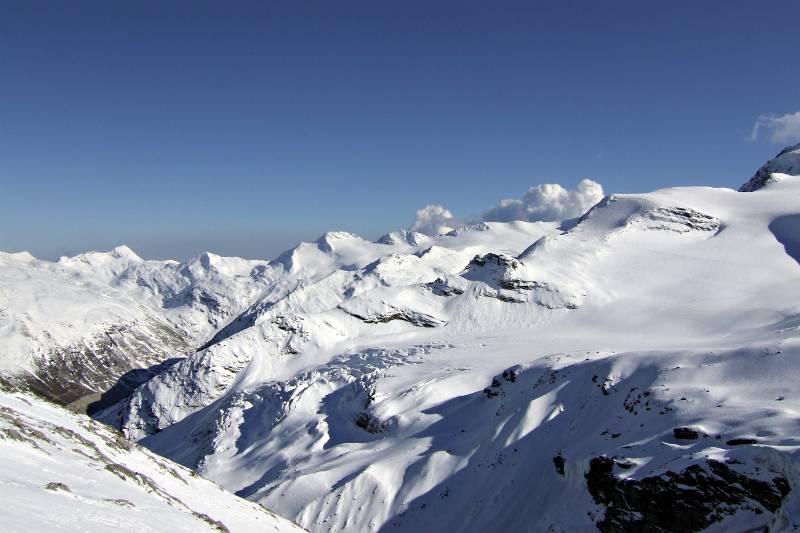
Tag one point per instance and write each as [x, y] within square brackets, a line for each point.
[741, 442]
[511, 374]
[498, 260]
[684, 433]
[691, 500]
[491, 393]
[521, 285]
[441, 287]
[369, 423]
[79, 374]
[681, 219]
[786, 162]
[559, 463]
[420, 320]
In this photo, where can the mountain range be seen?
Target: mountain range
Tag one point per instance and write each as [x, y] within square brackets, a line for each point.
[631, 368]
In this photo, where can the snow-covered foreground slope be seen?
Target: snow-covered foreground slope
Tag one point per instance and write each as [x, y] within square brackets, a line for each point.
[636, 366]
[67, 472]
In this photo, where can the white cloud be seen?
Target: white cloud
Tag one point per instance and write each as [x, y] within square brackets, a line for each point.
[549, 201]
[433, 220]
[781, 130]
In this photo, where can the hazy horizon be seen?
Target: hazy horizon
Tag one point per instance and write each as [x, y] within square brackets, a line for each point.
[243, 129]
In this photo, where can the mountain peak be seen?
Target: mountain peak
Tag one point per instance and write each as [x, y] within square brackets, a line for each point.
[207, 260]
[403, 236]
[327, 241]
[123, 251]
[479, 226]
[786, 162]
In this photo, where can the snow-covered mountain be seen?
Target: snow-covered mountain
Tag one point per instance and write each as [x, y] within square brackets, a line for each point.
[787, 162]
[633, 366]
[63, 471]
[72, 329]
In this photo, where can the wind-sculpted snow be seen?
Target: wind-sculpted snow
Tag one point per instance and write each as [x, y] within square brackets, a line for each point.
[786, 230]
[89, 478]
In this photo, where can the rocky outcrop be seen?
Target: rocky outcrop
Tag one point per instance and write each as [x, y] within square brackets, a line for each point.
[680, 220]
[691, 500]
[77, 375]
[444, 287]
[786, 162]
[415, 318]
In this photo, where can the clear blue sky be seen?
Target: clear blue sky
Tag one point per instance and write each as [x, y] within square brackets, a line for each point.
[180, 126]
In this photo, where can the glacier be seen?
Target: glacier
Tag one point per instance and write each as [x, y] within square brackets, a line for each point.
[633, 367]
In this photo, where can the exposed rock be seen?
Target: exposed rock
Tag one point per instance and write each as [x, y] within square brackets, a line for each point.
[500, 260]
[480, 226]
[418, 319]
[54, 485]
[684, 433]
[442, 287]
[786, 162]
[369, 423]
[521, 285]
[691, 500]
[510, 374]
[491, 393]
[559, 463]
[680, 220]
[65, 375]
[741, 442]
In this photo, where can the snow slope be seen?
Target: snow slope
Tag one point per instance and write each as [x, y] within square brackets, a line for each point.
[512, 376]
[637, 366]
[67, 472]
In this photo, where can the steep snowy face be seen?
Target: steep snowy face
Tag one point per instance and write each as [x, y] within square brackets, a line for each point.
[511, 376]
[65, 471]
[786, 162]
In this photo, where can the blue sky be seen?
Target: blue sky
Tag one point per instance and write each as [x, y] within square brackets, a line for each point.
[241, 128]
